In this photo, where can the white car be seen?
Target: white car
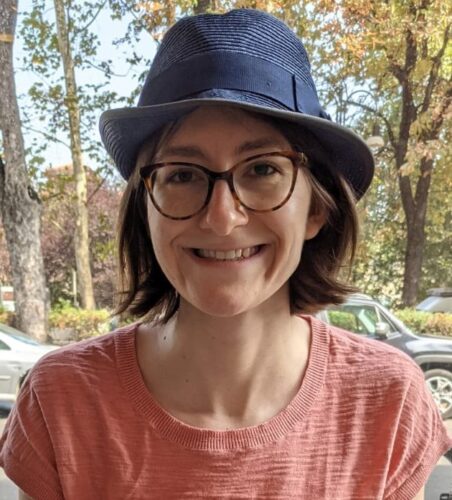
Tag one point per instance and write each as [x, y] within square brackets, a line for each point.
[438, 300]
[18, 353]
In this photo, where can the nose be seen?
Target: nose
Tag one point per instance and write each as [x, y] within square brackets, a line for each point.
[224, 212]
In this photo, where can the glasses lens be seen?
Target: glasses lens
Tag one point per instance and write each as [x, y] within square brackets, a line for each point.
[265, 182]
[179, 190]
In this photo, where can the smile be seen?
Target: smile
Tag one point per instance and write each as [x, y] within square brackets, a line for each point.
[238, 254]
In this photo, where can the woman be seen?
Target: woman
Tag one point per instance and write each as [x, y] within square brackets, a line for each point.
[238, 214]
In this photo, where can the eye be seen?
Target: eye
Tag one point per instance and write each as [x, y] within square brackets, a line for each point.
[182, 175]
[262, 169]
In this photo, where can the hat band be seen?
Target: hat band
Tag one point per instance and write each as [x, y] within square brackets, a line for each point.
[231, 71]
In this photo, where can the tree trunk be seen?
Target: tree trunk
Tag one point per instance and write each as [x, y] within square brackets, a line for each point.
[19, 204]
[415, 215]
[414, 205]
[414, 253]
[81, 236]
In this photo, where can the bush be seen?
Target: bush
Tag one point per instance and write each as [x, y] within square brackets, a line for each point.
[83, 322]
[426, 322]
[440, 324]
[6, 317]
[342, 319]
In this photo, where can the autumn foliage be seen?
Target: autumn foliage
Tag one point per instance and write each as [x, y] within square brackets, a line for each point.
[58, 230]
[381, 67]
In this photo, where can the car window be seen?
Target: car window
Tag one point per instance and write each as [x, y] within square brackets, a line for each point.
[343, 319]
[4, 347]
[385, 319]
[355, 318]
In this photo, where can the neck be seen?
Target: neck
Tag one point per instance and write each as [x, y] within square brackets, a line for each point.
[232, 371]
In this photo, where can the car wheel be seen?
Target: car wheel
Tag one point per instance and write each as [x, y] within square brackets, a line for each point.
[440, 384]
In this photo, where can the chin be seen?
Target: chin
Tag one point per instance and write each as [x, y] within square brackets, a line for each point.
[223, 306]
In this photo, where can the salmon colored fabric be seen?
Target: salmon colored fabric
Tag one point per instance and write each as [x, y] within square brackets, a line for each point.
[362, 426]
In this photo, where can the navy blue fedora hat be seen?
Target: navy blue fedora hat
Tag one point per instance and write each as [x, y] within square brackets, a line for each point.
[244, 58]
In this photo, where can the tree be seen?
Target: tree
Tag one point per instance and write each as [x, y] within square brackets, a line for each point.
[60, 47]
[381, 67]
[58, 224]
[19, 204]
[400, 51]
[81, 236]
[5, 268]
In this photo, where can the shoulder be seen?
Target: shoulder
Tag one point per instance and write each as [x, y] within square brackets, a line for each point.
[376, 395]
[86, 360]
[368, 354]
[358, 365]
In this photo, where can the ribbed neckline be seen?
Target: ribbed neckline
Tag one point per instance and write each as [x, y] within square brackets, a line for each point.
[195, 438]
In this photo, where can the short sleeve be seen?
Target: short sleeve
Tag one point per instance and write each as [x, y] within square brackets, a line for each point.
[26, 452]
[421, 439]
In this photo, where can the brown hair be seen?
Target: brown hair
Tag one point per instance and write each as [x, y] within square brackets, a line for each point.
[146, 292]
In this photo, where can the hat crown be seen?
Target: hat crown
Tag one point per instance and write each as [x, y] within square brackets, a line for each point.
[242, 31]
[247, 59]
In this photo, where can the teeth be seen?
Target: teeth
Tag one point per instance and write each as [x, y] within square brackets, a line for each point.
[240, 253]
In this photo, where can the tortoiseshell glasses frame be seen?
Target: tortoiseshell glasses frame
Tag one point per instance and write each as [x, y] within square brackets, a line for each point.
[148, 175]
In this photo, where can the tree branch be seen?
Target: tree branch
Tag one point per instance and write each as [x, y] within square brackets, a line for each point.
[101, 183]
[408, 111]
[47, 136]
[437, 122]
[407, 198]
[99, 10]
[104, 71]
[434, 71]
[380, 115]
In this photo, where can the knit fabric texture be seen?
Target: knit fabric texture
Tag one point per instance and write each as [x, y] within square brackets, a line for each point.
[362, 426]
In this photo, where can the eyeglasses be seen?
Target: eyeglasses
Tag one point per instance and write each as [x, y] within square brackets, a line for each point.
[261, 183]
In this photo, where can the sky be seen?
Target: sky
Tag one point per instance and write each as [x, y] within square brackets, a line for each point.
[107, 30]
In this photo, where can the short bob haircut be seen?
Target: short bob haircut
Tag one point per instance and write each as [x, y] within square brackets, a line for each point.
[144, 290]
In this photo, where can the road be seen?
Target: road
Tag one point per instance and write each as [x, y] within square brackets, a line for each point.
[440, 481]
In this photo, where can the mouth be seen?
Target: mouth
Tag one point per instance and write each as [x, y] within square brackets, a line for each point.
[227, 255]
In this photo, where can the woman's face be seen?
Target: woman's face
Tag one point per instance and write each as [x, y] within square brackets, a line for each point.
[219, 138]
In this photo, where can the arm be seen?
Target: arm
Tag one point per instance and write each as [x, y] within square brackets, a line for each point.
[26, 450]
[419, 496]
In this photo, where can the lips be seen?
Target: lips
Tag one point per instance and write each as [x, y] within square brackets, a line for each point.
[227, 255]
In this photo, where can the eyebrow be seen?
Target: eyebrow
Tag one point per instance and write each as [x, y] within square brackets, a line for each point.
[247, 146]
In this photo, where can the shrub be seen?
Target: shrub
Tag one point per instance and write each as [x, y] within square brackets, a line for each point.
[426, 322]
[83, 322]
[342, 319]
[6, 317]
[440, 324]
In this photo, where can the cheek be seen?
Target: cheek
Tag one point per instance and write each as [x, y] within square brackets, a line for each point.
[160, 237]
[296, 215]
[294, 225]
[164, 232]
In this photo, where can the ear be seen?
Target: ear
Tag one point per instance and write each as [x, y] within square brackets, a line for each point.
[314, 224]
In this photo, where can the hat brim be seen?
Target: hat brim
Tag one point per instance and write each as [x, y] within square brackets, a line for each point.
[124, 130]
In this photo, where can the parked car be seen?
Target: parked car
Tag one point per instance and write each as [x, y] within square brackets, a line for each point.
[18, 353]
[365, 316]
[438, 300]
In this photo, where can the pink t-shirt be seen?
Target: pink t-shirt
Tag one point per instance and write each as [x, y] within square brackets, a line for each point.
[362, 426]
